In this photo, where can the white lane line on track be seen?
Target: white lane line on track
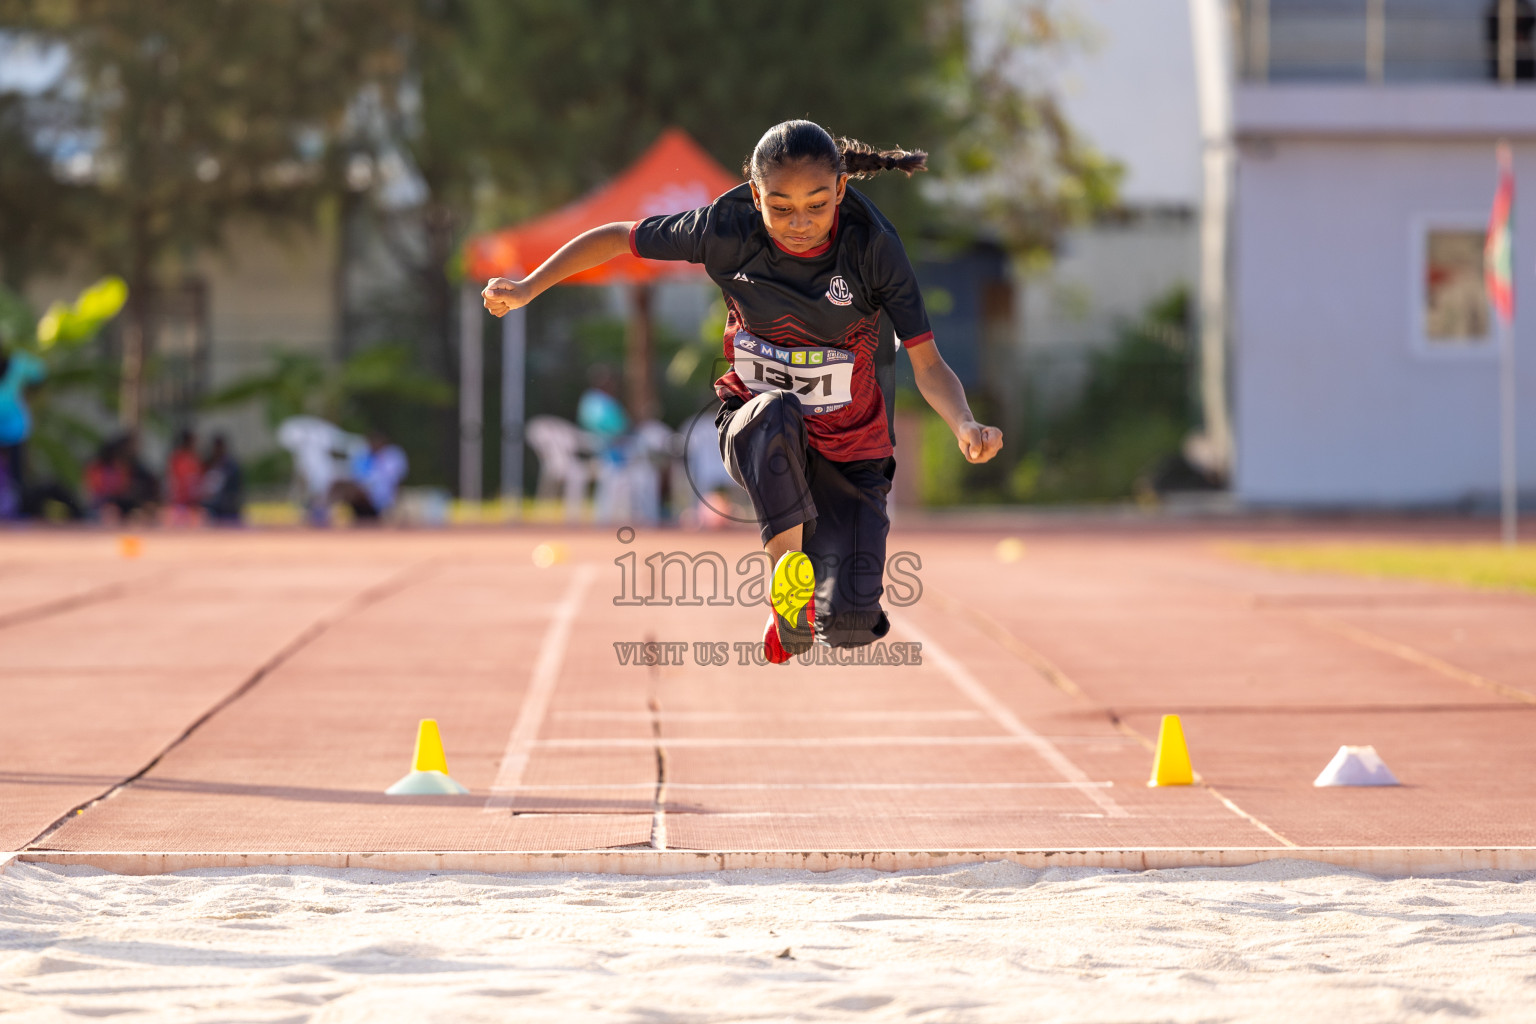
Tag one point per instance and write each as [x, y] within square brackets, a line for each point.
[541, 687]
[999, 712]
[583, 743]
[760, 716]
[839, 816]
[755, 786]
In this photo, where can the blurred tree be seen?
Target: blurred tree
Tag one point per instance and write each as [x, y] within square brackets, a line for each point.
[1136, 408]
[529, 103]
[514, 107]
[1010, 163]
[186, 113]
[304, 384]
[66, 403]
[421, 120]
[40, 215]
[358, 393]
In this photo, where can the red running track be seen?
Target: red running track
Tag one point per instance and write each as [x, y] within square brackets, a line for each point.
[258, 691]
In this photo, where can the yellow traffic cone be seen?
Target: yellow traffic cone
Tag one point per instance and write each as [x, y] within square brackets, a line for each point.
[1170, 765]
[429, 768]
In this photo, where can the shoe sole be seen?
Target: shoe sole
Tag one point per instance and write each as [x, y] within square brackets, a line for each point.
[794, 584]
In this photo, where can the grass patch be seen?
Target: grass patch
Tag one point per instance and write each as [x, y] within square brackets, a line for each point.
[494, 512]
[1490, 566]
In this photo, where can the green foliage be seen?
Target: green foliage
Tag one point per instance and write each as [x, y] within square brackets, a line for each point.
[203, 113]
[18, 325]
[302, 383]
[41, 214]
[942, 468]
[271, 470]
[380, 388]
[200, 111]
[1012, 168]
[67, 326]
[496, 75]
[79, 382]
[1134, 410]
[599, 339]
[1471, 565]
[613, 76]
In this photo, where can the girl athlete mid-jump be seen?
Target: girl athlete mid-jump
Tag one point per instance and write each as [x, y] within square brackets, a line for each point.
[817, 287]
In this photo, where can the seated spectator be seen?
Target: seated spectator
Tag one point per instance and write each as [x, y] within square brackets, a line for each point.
[599, 412]
[106, 483]
[118, 485]
[322, 454]
[222, 484]
[376, 477]
[143, 486]
[184, 481]
[18, 372]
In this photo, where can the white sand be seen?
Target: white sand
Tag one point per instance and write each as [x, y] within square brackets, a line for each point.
[1284, 941]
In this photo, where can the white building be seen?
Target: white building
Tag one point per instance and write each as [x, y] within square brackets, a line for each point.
[1129, 90]
[1364, 359]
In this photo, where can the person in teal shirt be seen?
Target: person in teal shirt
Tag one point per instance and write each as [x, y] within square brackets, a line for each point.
[18, 371]
[599, 413]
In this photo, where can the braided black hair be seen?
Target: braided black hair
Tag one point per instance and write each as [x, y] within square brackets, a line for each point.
[793, 141]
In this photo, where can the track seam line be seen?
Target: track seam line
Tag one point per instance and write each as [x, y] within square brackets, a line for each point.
[968, 684]
[311, 633]
[541, 688]
[1062, 681]
[1331, 709]
[95, 595]
[1000, 635]
[659, 798]
[1413, 655]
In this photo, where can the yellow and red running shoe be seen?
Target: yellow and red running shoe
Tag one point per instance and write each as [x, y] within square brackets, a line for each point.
[792, 628]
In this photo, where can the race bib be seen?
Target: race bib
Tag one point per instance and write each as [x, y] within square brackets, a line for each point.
[822, 378]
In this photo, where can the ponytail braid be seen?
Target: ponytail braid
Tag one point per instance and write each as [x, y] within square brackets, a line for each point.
[861, 160]
[794, 141]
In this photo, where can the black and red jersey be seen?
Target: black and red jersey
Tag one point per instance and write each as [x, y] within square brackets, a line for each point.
[854, 293]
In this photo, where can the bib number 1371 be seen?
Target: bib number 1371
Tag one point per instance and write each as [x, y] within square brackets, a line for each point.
[821, 378]
[784, 380]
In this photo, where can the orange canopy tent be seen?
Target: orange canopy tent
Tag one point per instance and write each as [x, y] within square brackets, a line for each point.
[675, 174]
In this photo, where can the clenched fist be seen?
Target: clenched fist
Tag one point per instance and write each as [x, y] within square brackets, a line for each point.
[502, 295]
[978, 443]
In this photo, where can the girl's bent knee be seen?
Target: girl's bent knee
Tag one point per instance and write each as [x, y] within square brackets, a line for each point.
[777, 408]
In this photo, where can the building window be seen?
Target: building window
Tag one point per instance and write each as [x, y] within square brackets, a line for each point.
[1387, 40]
[1509, 32]
[1453, 302]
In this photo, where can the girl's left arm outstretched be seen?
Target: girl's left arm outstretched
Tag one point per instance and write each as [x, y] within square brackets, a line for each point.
[942, 390]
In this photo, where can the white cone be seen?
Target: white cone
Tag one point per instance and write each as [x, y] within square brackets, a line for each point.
[428, 783]
[1356, 766]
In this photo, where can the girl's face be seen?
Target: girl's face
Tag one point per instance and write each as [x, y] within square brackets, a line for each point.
[798, 201]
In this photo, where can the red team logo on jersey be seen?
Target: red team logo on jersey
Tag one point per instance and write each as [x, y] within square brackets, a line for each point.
[838, 293]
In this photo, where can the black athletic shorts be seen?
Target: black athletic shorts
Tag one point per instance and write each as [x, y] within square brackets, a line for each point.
[840, 504]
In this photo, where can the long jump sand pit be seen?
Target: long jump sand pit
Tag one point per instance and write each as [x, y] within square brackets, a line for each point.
[1281, 941]
[244, 699]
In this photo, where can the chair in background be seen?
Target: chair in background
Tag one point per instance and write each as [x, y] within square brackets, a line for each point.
[322, 454]
[629, 485]
[564, 452]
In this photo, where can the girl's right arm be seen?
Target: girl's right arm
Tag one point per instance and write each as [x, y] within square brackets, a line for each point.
[583, 252]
